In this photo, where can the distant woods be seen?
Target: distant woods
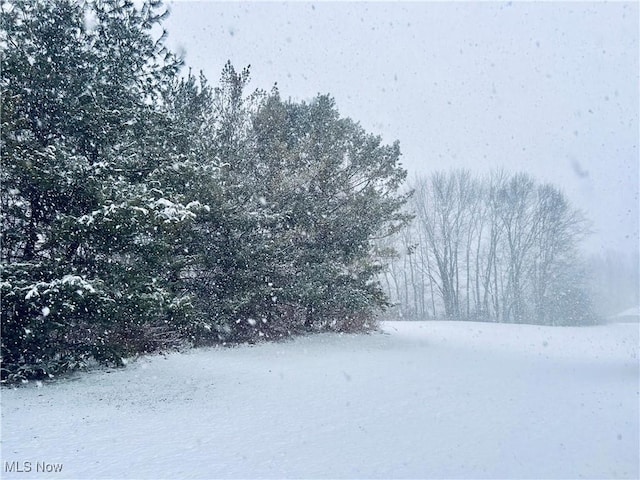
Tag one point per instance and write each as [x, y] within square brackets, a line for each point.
[501, 248]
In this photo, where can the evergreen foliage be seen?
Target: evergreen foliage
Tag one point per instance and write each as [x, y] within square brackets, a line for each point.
[142, 210]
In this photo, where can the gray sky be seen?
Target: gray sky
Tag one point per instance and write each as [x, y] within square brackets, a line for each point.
[547, 88]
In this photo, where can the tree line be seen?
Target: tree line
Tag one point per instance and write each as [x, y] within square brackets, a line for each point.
[501, 248]
[143, 209]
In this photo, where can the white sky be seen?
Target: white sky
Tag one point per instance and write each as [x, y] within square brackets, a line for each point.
[547, 88]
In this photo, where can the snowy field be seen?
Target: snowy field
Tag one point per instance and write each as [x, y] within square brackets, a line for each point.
[421, 400]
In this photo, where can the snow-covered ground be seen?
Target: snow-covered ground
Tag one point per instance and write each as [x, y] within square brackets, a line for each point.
[629, 315]
[421, 400]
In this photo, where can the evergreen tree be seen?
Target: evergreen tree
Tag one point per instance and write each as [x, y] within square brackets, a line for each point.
[336, 188]
[85, 235]
[142, 210]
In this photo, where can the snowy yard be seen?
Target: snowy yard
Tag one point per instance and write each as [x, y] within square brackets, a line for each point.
[421, 400]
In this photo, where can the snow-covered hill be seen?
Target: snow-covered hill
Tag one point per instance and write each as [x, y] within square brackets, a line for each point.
[420, 400]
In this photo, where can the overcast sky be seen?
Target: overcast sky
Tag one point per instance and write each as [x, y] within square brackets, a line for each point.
[547, 88]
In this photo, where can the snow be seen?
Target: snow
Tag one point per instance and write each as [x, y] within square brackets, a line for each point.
[630, 315]
[418, 400]
[54, 285]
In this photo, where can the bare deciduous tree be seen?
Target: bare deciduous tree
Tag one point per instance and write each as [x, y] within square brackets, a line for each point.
[500, 248]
